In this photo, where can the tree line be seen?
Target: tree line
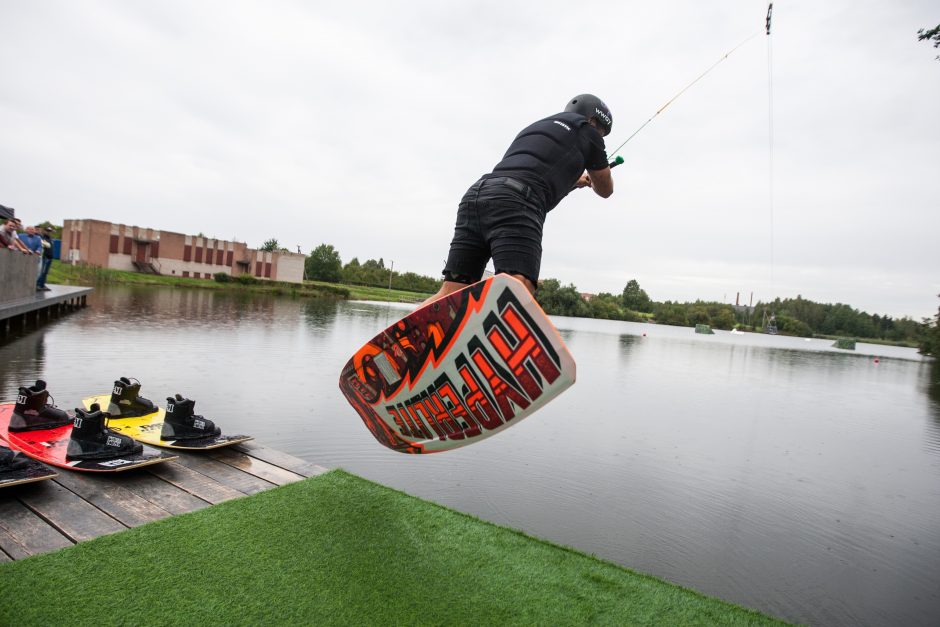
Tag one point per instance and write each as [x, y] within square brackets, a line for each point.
[325, 264]
[791, 316]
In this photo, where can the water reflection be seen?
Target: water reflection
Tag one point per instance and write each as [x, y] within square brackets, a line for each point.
[931, 378]
[21, 363]
[320, 313]
[773, 472]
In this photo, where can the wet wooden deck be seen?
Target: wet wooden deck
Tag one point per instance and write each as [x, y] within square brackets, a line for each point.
[49, 515]
[41, 306]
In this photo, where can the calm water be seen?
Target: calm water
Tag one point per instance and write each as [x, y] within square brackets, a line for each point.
[772, 472]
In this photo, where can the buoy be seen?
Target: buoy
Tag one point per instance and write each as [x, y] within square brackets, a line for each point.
[876, 360]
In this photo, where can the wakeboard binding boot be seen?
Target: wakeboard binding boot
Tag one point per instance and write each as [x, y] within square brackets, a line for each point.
[10, 461]
[34, 411]
[92, 439]
[181, 424]
[126, 401]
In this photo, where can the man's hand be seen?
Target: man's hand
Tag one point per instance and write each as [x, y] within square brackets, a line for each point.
[584, 181]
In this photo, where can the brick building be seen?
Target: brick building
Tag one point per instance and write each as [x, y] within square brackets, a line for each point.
[139, 249]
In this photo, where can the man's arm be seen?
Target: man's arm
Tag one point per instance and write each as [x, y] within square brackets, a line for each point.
[599, 180]
[20, 246]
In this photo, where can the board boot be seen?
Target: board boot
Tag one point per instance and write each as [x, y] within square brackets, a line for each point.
[10, 461]
[33, 410]
[126, 401]
[181, 424]
[92, 439]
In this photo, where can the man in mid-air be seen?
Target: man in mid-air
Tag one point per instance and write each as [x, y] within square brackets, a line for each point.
[502, 214]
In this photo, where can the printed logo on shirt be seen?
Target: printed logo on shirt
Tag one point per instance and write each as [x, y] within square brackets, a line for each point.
[562, 124]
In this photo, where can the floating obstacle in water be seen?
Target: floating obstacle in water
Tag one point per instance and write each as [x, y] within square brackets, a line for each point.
[845, 343]
[704, 328]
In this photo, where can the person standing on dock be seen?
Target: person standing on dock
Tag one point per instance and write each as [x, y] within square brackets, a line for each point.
[46, 263]
[32, 240]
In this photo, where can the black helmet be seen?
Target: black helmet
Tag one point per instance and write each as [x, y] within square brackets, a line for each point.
[590, 106]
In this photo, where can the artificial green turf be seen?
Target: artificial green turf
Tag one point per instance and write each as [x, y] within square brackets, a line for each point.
[338, 549]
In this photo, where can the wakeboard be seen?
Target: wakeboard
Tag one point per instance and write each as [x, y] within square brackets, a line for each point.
[459, 369]
[28, 471]
[147, 429]
[49, 446]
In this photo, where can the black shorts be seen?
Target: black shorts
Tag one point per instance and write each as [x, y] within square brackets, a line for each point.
[496, 219]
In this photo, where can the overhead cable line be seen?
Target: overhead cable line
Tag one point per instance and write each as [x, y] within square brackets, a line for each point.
[684, 89]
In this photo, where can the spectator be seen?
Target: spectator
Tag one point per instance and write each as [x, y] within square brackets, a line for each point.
[46, 260]
[32, 240]
[9, 239]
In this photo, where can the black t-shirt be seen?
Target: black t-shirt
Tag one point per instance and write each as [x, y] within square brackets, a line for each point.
[551, 154]
[47, 251]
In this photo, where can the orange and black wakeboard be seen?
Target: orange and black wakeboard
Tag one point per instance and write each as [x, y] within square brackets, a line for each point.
[458, 369]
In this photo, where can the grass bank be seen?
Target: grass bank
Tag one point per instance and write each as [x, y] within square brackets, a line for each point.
[64, 274]
[338, 549]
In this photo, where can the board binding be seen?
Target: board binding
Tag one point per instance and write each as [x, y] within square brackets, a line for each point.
[147, 428]
[49, 447]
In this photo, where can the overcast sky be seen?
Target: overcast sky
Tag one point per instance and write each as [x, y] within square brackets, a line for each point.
[360, 124]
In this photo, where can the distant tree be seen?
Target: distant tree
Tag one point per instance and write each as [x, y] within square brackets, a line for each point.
[561, 301]
[56, 230]
[324, 264]
[606, 306]
[792, 326]
[723, 318]
[932, 34]
[671, 313]
[635, 298]
[270, 245]
[930, 341]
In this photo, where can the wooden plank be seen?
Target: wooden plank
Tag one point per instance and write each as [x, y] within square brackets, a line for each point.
[11, 548]
[195, 483]
[161, 493]
[109, 495]
[256, 467]
[25, 533]
[283, 460]
[223, 473]
[78, 506]
[69, 513]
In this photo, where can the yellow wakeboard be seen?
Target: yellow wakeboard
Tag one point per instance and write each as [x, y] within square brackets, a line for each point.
[147, 429]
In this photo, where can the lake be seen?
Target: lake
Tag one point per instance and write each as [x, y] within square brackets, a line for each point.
[774, 472]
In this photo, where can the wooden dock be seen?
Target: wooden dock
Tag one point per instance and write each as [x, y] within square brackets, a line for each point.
[41, 306]
[49, 515]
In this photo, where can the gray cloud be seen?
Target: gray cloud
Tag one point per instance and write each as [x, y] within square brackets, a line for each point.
[361, 125]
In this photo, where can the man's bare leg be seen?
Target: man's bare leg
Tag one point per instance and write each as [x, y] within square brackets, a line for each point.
[449, 287]
[525, 281]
